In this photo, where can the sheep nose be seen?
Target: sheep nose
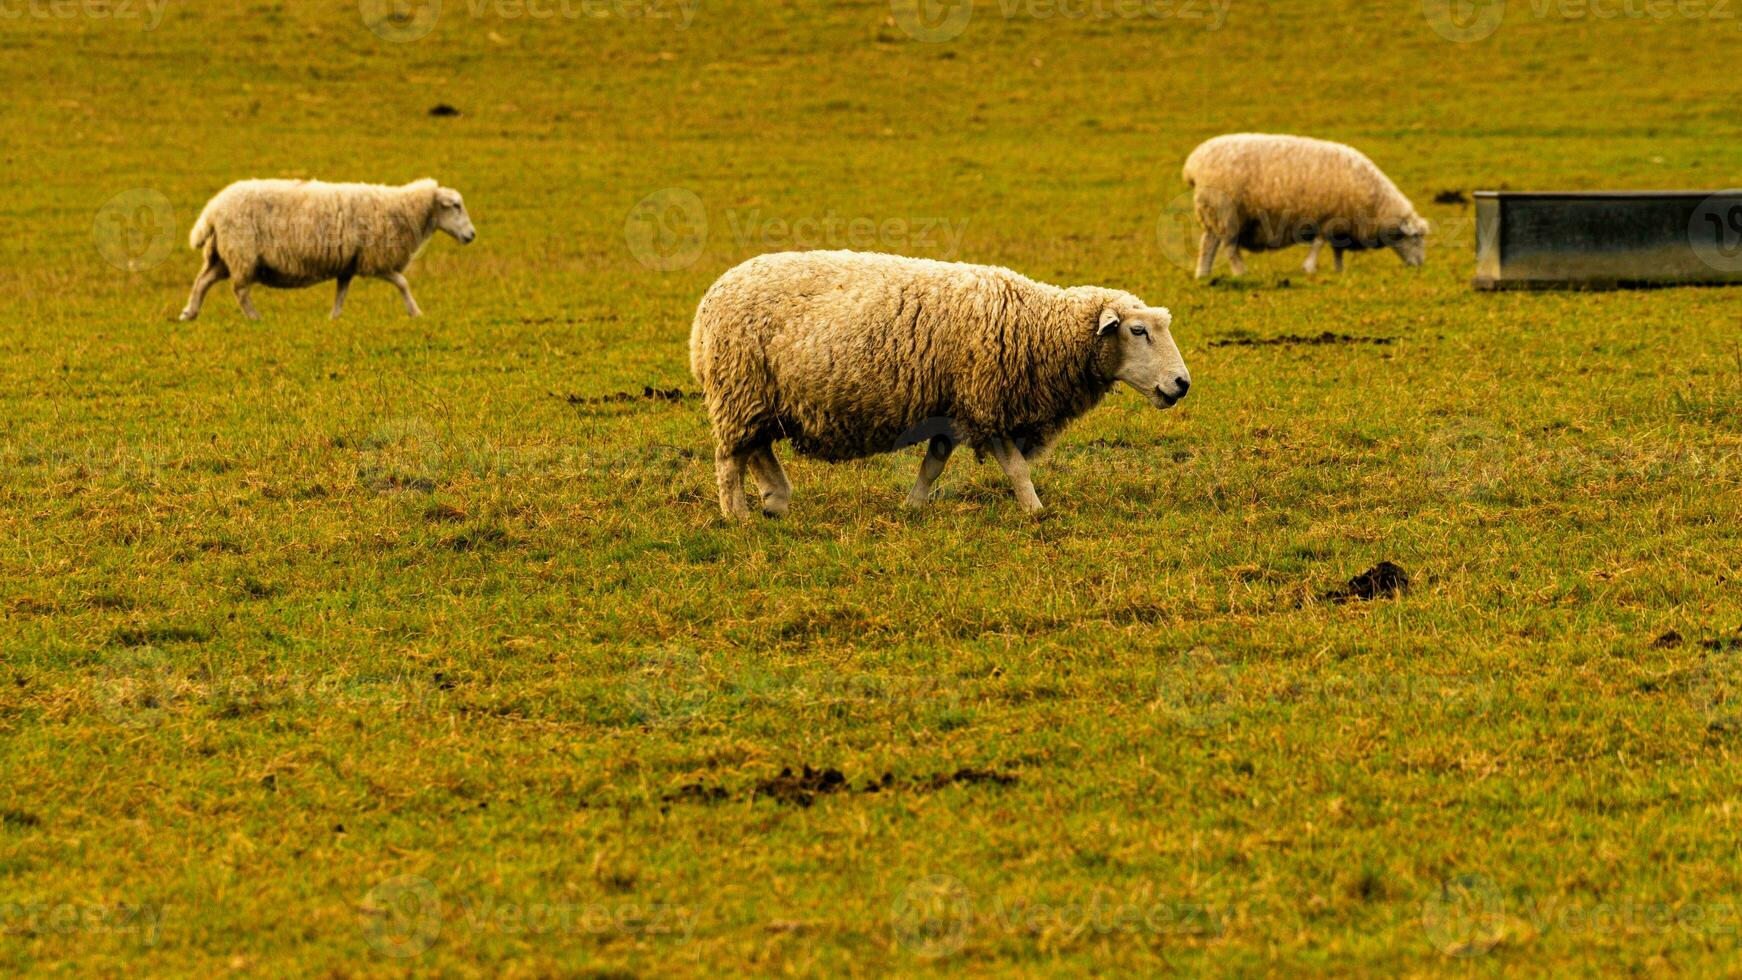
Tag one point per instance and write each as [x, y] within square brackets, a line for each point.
[1185, 385]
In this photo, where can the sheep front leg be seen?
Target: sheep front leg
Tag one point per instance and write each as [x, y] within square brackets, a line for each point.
[1312, 262]
[1015, 467]
[339, 297]
[936, 455]
[771, 480]
[729, 471]
[398, 279]
[1207, 254]
[210, 276]
[1338, 254]
[241, 289]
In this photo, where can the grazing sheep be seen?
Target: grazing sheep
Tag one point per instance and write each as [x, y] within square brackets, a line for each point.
[1262, 192]
[294, 233]
[850, 354]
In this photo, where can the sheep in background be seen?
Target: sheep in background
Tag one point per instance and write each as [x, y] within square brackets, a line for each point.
[288, 234]
[1263, 192]
[851, 354]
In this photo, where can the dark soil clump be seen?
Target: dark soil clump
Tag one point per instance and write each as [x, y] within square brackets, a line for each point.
[1381, 581]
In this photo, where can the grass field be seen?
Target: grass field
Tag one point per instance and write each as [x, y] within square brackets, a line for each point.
[395, 645]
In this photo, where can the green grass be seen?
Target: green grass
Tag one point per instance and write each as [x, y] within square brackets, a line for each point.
[325, 642]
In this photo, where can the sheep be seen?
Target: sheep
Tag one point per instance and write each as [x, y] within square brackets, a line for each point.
[1262, 192]
[851, 354]
[288, 234]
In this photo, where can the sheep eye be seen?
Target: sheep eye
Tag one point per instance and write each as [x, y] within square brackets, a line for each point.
[1139, 332]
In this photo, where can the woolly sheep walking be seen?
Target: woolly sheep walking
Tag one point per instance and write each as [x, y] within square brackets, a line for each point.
[852, 354]
[1263, 192]
[288, 234]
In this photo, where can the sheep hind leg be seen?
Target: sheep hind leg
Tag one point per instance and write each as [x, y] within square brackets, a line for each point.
[1338, 254]
[210, 276]
[1236, 264]
[770, 480]
[1312, 261]
[936, 455]
[398, 279]
[1207, 254]
[242, 289]
[1015, 467]
[729, 471]
[339, 296]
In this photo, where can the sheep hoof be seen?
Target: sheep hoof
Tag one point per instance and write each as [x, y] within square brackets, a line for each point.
[775, 508]
[186, 316]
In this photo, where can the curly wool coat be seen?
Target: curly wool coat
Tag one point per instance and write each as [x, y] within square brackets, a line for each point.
[846, 353]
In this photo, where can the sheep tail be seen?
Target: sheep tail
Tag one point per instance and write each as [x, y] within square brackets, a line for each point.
[202, 232]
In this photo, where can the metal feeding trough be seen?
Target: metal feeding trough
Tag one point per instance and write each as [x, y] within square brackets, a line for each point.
[1608, 240]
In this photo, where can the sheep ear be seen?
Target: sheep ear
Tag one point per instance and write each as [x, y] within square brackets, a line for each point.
[1109, 323]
